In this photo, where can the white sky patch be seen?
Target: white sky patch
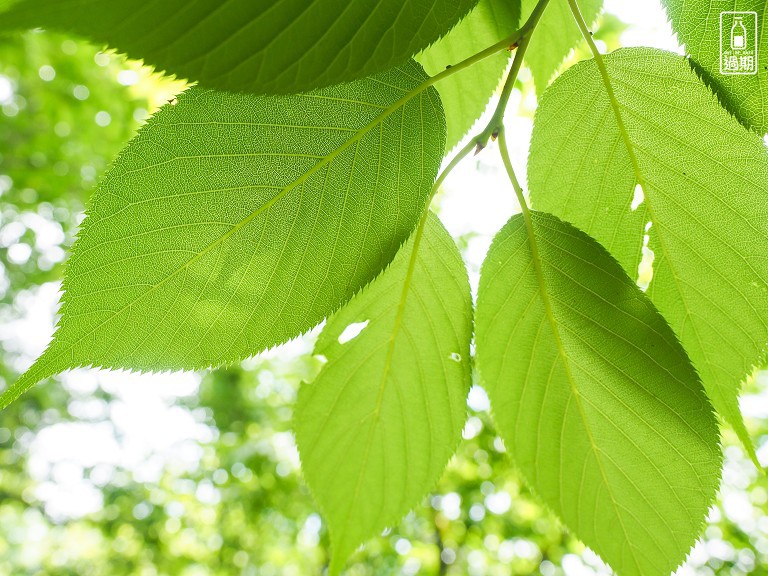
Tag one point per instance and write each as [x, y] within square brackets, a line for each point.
[352, 331]
[648, 24]
[472, 428]
[6, 90]
[127, 77]
[478, 400]
[498, 502]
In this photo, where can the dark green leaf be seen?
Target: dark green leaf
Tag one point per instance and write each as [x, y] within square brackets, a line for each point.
[266, 46]
[697, 24]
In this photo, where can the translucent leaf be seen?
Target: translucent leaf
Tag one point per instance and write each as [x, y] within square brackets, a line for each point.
[385, 414]
[466, 94]
[233, 223]
[595, 398]
[267, 46]
[697, 24]
[555, 36]
[704, 180]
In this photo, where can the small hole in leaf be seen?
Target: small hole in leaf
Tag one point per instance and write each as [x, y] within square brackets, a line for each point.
[638, 198]
[645, 268]
[352, 331]
[455, 356]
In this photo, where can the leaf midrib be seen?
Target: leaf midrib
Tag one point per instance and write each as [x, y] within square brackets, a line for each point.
[322, 162]
[569, 374]
[737, 422]
[390, 355]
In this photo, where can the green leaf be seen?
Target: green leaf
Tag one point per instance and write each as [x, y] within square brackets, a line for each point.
[377, 427]
[705, 183]
[465, 95]
[269, 46]
[697, 24]
[595, 398]
[555, 36]
[233, 223]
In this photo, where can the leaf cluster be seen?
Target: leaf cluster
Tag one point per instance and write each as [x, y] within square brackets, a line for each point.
[292, 185]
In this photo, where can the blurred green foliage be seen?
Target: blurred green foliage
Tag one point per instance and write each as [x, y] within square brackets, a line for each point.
[241, 506]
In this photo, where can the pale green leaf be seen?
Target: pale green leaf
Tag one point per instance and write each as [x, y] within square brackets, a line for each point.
[555, 36]
[233, 222]
[265, 46]
[705, 183]
[595, 398]
[697, 24]
[378, 425]
[465, 95]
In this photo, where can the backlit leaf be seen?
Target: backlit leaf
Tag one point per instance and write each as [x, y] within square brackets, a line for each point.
[233, 222]
[466, 94]
[378, 425]
[594, 396]
[265, 46]
[705, 183]
[555, 36]
[697, 24]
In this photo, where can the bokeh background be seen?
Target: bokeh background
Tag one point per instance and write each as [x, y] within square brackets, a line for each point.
[110, 473]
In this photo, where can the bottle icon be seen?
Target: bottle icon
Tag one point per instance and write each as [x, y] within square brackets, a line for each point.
[738, 34]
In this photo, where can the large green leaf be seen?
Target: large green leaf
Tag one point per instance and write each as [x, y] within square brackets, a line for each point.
[268, 46]
[705, 183]
[466, 94]
[233, 222]
[555, 36]
[697, 24]
[594, 397]
[385, 414]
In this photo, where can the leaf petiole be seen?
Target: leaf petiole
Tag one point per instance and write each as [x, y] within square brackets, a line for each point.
[495, 124]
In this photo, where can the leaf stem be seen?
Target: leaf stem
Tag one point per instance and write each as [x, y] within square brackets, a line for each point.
[598, 57]
[495, 127]
[519, 40]
[511, 42]
[418, 233]
[505, 159]
[495, 124]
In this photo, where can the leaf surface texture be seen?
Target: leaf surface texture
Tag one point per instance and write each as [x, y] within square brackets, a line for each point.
[234, 222]
[378, 425]
[594, 396]
[705, 183]
[267, 46]
[697, 25]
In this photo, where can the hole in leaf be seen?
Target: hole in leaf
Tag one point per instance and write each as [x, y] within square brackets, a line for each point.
[638, 198]
[645, 268]
[455, 356]
[352, 331]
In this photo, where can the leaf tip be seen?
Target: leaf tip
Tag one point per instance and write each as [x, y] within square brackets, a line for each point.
[340, 553]
[40, 370]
